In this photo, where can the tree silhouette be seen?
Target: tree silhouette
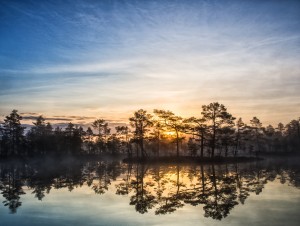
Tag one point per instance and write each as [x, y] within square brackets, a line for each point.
[240, 135]
[103, 131]
[293, 134]
[216, 116]
[13, 137]
[88, 139]
[124, 133]
[215, 131]
[256, 133]
[39, 136]
[197, 127]
[156, 135]
[141, 121]
[172, 122]
[227, 136]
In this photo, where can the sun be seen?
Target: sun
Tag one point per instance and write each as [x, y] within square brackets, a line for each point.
[169, 133]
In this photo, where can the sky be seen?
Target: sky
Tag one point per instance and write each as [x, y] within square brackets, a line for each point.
[80, 60]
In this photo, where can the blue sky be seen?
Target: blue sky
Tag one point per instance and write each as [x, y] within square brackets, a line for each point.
[109, 58]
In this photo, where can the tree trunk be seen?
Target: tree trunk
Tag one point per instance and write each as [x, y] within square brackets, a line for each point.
[213, 139]
[226, 150]
[237, 143]
[158, 144]
[142, 148]
[177, 143]
[202, 145]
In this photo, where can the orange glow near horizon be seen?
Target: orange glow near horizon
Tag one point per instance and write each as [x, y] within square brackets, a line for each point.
[169, 134]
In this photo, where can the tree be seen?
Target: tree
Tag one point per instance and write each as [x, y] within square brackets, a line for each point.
[1, 138]
[156, 135]
[257, 132]
[293, 134]
[89, 139]
[192, 147]
[73, 135]
[76, 139]
[216, 117]
[241, 129]
[197, 127]
[13, 133]
[69, 131]
[39, 136]
[141, 121]
[59, 140]
[280, 128]
[279, 137]
[124, 132]
[103, 131]
[172, 122]
[114, 144]
[227, 137]
[269, 134]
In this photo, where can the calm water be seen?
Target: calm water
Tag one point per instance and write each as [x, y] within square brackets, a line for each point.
[112, 193]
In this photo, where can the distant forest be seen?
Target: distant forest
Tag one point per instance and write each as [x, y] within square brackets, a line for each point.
[162, 133]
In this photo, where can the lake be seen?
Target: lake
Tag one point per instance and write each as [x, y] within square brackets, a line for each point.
[107, 192]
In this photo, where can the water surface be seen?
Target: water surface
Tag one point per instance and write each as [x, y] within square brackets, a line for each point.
[103, 192]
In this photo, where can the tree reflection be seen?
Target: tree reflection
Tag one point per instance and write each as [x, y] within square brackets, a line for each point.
[200, 191]
[11, 188]
[161, 188]
[123, 188]
[142, 197]
[173, 199]
[222, 197]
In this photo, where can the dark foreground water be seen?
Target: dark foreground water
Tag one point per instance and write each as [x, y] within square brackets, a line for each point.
[77, 192]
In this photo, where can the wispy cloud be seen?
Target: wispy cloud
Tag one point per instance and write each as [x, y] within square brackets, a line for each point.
[110, 58]
[34, 116]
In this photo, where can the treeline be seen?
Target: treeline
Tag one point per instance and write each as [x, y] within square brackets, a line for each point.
[215, 133]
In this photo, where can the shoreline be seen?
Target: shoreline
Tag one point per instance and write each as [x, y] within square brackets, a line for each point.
[189, 159]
